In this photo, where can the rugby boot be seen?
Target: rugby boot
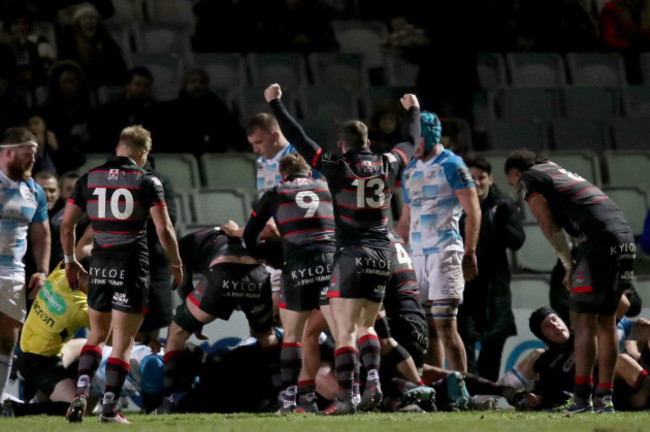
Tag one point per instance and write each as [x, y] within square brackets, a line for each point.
[307, 403]
[338, 407]
[603, 405]
[571, 407]
[113, 418]
[371, 399]
[75, 413]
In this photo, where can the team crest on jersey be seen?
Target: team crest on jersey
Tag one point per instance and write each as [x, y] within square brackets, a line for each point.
[391, 157]
[156, 181]
[113, 174]
[366, 165]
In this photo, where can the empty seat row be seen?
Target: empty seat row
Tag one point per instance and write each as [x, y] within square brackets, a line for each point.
[551, 69]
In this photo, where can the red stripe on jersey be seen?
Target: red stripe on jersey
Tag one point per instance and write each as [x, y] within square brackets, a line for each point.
[71, 201]
[308, 230]
[352, 177]
[253, 213]
[331, 294]
[160, 204]
[301, 218]
[362, 208]
[582, 289]
[599, 199]
[282, 305]
[582, 191]
[569, 185]
[119, 232]
[313, 162]
[193, 299]
[401, 153]
[416, 294]
[403, 270]
[296, 191]
[113, 187]
[293, 203]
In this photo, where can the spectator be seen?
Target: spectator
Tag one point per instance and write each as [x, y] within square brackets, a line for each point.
[30, 68]
[50, 156]
[67, 182]
[208, 123]
[485, 315]
[135, 105]
[69, 107]
[625, 28]
[87, 42]
[13, 109]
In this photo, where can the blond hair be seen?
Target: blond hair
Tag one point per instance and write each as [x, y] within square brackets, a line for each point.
[136, 137]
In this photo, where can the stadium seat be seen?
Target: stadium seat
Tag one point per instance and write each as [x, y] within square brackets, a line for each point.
[491, 70]
[457, 134]
[536, 69]
[530, 291]
[215, 206]
[363, 37]
[230, 170]
[525, 103]
[633, 202]
[161, 37]
[329, 103]
[591, 102]
[181, 168]
[183, 213]
[517, 134]
[581, 134]
[175, 11]
[628, 168]
[225, 70]
[342, 69]
[166, 70]
[93, 160]
[584, 163]
[400, 72]
[636, 101]
[536, 255]
[289, 69]
[596, 68]
[631, 133]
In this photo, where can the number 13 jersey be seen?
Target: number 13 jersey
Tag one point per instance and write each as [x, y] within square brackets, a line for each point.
[117, 197]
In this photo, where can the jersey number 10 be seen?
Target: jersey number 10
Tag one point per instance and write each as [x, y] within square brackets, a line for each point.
[119, 196]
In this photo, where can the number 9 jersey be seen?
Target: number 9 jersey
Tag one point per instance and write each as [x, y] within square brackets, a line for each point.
[117, 197]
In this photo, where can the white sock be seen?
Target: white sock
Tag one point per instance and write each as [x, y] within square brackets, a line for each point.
[5, 368]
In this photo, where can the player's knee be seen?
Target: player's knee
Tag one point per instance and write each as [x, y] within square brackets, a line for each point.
[185, 320]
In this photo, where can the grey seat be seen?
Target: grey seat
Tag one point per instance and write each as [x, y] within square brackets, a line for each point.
[536, 69]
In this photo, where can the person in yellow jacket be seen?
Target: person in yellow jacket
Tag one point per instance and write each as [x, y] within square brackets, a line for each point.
[56, 315]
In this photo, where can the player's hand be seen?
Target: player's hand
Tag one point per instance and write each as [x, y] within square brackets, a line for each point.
[35, 283]
[200, 336]
[177, 272]
[409, 100]
[273, 92]
[72, 272]
[470, 266]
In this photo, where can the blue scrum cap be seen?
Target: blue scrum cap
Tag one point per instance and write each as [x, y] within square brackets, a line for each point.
[431, 130]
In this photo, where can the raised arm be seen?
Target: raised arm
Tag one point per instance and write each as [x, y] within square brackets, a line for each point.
[291, 129]
[412, 105]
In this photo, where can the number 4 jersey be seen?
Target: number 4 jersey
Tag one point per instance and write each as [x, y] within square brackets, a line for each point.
[117, 197]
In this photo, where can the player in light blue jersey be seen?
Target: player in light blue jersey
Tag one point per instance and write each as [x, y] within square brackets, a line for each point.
[438, 187]
[23, 210]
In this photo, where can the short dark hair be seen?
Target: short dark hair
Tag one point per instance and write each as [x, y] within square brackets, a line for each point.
[293, 165]
[263, 120]
[521, 160]
[354, 133]
[44, 175]
[479, 162]
[68, 175]
[140, 71]
[17, 135]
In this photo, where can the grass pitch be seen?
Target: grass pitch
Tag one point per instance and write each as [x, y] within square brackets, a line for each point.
[473, 421]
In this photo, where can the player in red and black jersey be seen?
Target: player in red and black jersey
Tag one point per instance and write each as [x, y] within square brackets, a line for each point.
[231, 279]
[360, 182]
[302, 210]
[118, 197]
[561, 200]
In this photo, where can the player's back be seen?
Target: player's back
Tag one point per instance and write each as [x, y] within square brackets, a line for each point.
[304, 215]
[578, 206]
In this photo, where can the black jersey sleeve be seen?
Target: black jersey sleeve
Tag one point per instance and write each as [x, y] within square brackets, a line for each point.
[261, 213]
[296, 135]
[79, 194]
[153, 193]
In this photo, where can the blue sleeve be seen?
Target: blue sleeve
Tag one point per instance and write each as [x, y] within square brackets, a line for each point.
[40, 215]
[407, 199]
[457, 173]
